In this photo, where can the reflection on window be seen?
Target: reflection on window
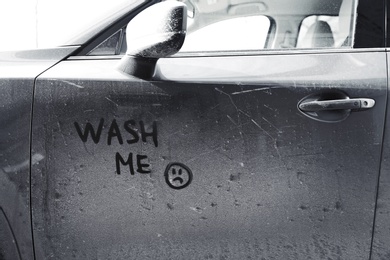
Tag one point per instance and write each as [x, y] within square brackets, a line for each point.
[321, 31]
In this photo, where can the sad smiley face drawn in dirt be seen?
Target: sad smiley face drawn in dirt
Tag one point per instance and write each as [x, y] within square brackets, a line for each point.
[178, 176]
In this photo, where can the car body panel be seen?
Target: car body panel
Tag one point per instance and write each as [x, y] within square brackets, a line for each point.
[267, 180]
[17, 75]
[381, 237]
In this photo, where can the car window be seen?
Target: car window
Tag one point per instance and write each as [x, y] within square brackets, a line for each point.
[240, 33]
[337, 39]
[109, 46]
[247, 25]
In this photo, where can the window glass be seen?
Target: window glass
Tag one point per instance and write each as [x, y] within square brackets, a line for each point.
[335, 38]
[220, 25]
[241, 33]
[246, 25]
[109, 46]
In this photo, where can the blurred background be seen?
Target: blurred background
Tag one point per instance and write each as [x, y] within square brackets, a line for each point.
[30, 24]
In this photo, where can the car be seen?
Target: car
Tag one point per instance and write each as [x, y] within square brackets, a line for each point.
[201, 129]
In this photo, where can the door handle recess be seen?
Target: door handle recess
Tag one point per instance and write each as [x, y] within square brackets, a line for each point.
[355, 104]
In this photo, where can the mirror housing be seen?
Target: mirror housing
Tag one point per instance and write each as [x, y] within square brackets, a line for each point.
[157, 32]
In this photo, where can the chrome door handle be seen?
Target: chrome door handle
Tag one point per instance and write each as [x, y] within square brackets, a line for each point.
[355, 104]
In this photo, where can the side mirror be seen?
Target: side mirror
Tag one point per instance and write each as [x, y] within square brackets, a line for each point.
[156, 32]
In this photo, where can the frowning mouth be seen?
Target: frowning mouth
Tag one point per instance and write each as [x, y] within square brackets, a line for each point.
[178, 179]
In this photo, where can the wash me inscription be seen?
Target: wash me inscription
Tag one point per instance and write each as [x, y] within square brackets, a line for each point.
[130, 132]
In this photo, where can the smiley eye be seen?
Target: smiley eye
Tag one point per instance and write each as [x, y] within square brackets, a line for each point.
[180, 172]
[174, 172]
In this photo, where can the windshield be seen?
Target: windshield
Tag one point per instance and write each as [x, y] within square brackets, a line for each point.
[29, 24]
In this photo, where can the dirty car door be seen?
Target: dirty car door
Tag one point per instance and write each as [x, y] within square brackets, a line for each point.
[213, 157]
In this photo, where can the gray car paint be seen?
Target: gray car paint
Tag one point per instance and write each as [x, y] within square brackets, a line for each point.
[267, 180]
[381, 237]
[18, 71]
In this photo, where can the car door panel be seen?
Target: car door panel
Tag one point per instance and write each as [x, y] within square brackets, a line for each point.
[381, 236]
[267, 180]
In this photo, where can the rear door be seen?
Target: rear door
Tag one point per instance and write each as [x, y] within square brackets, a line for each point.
[220, 155]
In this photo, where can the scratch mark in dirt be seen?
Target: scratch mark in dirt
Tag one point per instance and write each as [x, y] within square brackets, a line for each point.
[273, 139]
[89, 110]
[266, 106]
[214, 107]
[72, 84]
[231, 120]
[231, 99]
[262, 129]
[279, 131]
[253, 121]
[112, 101]
[254, 90]
[239, 111]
